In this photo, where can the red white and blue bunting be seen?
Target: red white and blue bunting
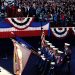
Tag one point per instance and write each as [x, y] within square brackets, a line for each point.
[20, 23]
[61, 31]
[22, 26]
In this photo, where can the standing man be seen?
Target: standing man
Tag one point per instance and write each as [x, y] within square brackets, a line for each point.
[67, 56]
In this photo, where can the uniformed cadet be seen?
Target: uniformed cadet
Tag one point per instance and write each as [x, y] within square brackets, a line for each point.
[42, 61]
[67, 51]
[66, 48]
[45, 49]
[66, 58]
[44, 55]
[49, 55]
[55, 53]
[52, 53]
[58, 61]
[51, 59]
[48, 58]
[59, 54]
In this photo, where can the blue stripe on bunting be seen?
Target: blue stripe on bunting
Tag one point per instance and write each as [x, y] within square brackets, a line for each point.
[38, 24]
[5, 25]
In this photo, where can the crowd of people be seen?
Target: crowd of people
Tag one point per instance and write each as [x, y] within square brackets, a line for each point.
[57, 12]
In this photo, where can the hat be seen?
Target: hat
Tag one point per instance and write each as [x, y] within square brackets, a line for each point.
[52, 63]
[60, 52]
[55, 48]
[46, 41]
[67, 44]
[49, 44]
[52, 46]
[39, 52]
[42, 56]
[39, 49]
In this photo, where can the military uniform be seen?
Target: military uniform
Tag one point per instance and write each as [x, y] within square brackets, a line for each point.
[67, 58]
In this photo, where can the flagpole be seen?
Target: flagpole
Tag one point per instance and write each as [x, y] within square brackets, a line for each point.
[41, 26]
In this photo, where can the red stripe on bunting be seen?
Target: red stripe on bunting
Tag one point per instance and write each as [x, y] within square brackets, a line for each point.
[21, 34]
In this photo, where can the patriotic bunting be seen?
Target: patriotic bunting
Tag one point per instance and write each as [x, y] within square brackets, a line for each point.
[21, 27]
[60, 32]
[24, 26]
[20, 22]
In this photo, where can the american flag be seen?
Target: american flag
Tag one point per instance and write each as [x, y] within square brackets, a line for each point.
[26, 60]
[21, 56]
